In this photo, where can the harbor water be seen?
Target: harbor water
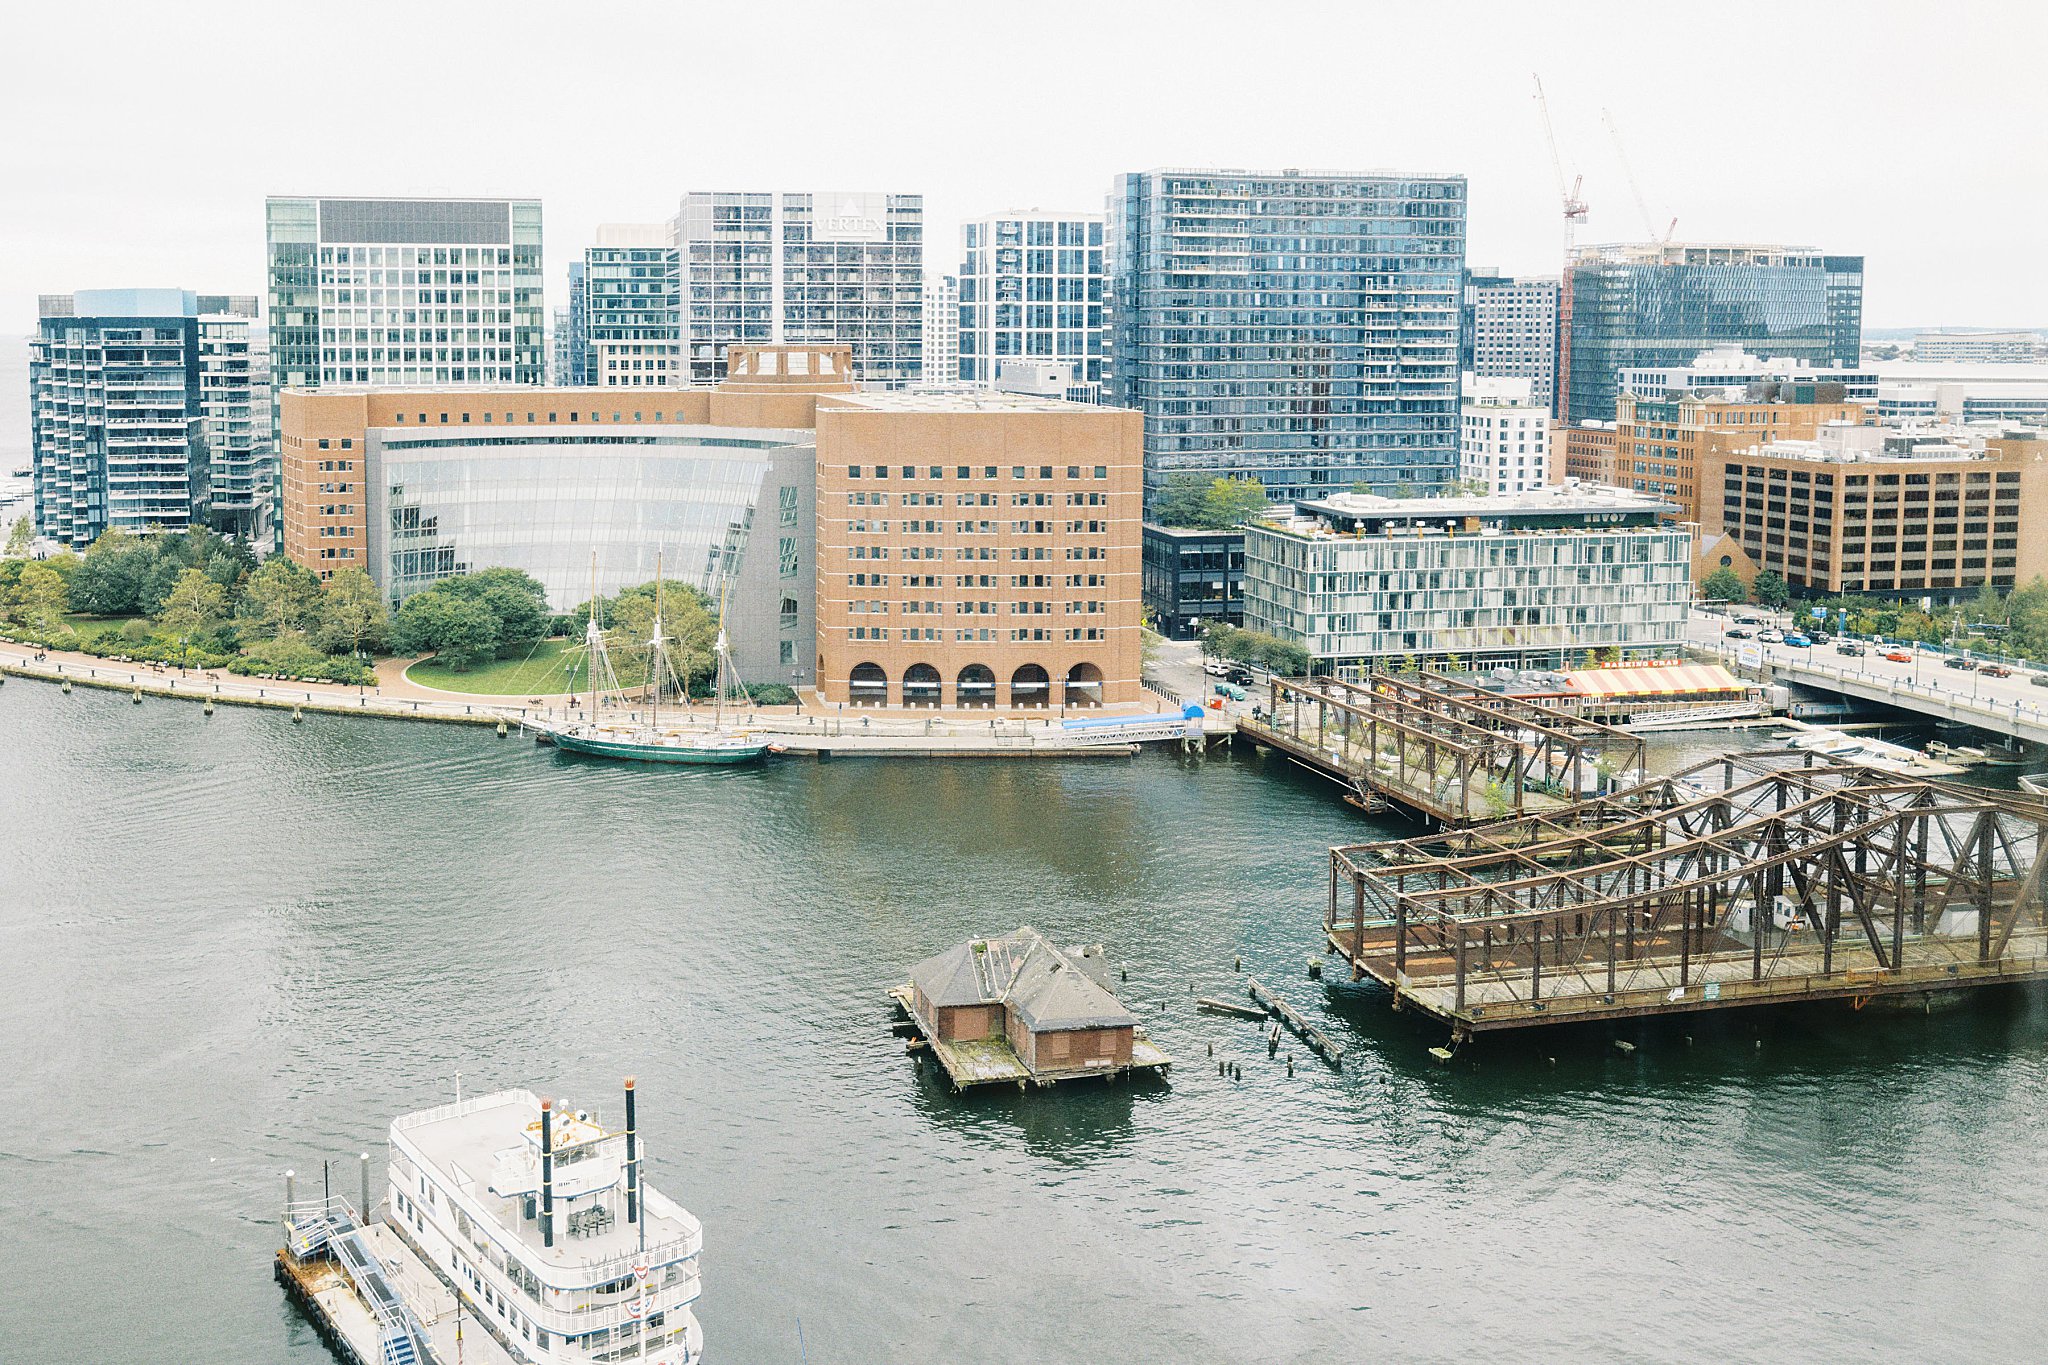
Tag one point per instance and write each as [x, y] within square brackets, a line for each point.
[234, 945]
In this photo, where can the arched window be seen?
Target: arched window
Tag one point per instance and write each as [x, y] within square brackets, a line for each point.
[1029, 686]
[976, 686]
[868, 685]
[921, 685]
[1084, 685]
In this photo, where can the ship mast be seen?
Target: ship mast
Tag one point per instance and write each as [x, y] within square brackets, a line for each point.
[657, 660]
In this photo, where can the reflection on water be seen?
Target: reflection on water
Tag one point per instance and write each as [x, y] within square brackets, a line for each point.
[236, 945]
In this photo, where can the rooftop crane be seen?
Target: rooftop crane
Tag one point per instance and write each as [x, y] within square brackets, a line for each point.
[1574, 206]
[1649, 224]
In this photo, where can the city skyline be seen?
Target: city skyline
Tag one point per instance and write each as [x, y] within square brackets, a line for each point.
[1187, 107]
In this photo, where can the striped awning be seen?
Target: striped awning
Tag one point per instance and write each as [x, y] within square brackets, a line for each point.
[1669, 680]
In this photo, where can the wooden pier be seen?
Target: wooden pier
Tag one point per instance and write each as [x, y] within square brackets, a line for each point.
[1439, 749]
[1286, 1014]
[1749, 879]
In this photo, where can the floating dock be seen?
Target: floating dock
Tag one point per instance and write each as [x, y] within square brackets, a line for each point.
[971, 1062]
[372, 1298]
[1749, 879]
[1441, 750]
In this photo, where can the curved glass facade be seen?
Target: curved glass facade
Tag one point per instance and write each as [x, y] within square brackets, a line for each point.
[442, 505]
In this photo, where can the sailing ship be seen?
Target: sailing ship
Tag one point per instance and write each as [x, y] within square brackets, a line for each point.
[635, 740]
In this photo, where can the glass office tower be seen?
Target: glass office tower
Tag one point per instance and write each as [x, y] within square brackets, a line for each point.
[405, 291]
[1298, 329]
[1662, 304]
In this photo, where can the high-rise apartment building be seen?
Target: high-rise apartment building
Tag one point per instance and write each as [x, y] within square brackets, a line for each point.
[804, 268]
[1509, 330]
[570, 363]
[148, 412]
[632, 297]
[405, 292]
[1503, 436]
[1032, 287]
[1661, 304]
[1301, 329]
[942, 330]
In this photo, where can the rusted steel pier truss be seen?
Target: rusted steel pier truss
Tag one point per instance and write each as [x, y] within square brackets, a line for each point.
[1743, 880]
[1441, 749]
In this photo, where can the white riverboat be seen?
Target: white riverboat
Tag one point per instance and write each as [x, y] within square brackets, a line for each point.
[513, 1215]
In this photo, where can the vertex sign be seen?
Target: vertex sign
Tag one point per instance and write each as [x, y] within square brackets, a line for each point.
[840, 217]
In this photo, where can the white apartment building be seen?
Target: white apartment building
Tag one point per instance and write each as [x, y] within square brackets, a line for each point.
[942, 330]
[1503, 435]
[1032, 288]
[1543, 579]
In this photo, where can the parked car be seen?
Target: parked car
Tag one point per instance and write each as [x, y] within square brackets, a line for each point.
[1819, 637]
[2039, 679]
[1898, 656]
[1215, 668]
[1240, 675]
[1749, 620]
[1798, 641]
[1956, 661]
[1994, 670]
[1741, 633]
[1850, 648]
[1771, 637]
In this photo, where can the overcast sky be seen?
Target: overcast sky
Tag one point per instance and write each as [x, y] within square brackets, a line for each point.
[140, 139]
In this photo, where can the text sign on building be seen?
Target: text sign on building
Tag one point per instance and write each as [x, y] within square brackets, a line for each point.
[838, 216]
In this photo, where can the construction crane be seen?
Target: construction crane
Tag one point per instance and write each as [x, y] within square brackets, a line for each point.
[1574, 206]
[1628, 171]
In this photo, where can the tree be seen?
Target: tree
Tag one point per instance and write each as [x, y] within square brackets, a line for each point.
[513, 597]
[42, 598]
[1770, 589]
[281, 596]
[1232, 502]
[1181, 500]
[352, 615]
[113, 575]
[20, 537]
[194, 606]
[1724, 585]
[456, 630]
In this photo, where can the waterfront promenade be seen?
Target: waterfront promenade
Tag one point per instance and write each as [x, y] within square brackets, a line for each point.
[811, 726]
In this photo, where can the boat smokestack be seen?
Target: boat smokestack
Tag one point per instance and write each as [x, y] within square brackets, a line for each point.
[547, 1173]
[632, 1159]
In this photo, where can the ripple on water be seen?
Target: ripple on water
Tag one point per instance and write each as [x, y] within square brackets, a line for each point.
[237, 945]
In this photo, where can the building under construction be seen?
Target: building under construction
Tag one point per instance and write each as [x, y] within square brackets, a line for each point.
[1748, 879]
[1441, 749]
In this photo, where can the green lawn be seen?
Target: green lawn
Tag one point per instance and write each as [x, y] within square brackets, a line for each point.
[86, 625]
[548, 670]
